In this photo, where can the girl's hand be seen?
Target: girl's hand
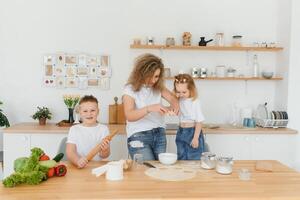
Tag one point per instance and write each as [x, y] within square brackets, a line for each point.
[82, 162]
[195, 143]
[104, 144]
[157, 108]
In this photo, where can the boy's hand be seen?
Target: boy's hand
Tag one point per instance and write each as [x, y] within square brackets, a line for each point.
[82, 162]
[195, 143]
[104, 144]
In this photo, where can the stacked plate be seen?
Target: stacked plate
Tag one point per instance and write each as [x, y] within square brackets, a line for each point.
[274, 119]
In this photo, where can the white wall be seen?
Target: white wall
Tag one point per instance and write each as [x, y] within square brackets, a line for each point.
[29, 29]
[294, 71]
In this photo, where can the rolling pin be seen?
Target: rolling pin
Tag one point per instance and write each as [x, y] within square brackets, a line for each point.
[96, 149]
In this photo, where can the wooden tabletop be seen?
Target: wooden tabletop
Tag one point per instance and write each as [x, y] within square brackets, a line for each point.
[283, 183]
[29, 127]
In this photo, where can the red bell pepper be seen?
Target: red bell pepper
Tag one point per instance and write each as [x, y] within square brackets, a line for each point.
[51, 172]
[60, 170]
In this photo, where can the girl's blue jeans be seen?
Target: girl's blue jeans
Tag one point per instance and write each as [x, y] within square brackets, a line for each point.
[184, 138]
[149, 143]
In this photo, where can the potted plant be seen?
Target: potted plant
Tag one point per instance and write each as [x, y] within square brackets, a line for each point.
[42, 114]
[3, 119]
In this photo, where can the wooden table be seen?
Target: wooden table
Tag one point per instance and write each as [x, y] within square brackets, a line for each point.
[283, 183]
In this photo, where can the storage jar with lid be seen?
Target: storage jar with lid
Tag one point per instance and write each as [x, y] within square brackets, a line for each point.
[219, 39]
[237, 40]
[224, 165]
[208, 160]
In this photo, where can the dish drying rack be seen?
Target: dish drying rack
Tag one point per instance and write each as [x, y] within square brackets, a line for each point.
[272, 123]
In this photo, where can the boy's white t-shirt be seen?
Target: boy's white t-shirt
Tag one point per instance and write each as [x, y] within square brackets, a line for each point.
[144, 97]
[190, 110]
[85, 138]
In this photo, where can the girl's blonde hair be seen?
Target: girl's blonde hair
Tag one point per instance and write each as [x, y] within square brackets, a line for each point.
[144, 67]
[186, 78]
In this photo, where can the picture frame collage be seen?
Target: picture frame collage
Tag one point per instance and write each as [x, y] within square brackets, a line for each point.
[81, 71]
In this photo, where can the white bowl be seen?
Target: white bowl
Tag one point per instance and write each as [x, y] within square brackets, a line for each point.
[167, 158]
[267, 75]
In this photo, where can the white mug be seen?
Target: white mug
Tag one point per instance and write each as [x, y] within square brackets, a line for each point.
[114, 171]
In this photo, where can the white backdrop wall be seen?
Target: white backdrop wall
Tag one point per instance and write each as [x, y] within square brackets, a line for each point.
[29, 29]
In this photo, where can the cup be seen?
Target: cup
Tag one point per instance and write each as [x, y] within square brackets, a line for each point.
[138, 160]
[244, 174]
[251, 123]
[114, 171]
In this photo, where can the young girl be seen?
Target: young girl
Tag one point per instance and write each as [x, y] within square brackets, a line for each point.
[189, 138]
[83, 137]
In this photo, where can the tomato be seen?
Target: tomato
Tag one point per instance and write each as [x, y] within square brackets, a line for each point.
[44, 157]
[51, 172]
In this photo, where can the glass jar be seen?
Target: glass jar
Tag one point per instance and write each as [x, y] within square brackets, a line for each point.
[237, 40]
[224, 165]
[219, 39]
[208, 160]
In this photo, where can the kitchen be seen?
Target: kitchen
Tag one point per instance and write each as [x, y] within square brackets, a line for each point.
[99, 27]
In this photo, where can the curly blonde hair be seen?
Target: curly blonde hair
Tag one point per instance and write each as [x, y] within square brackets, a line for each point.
[186, 78]
[144, 67]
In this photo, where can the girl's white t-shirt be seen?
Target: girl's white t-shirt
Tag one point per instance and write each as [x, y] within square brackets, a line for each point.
[190, 110]
[144, 97]
[85, 138]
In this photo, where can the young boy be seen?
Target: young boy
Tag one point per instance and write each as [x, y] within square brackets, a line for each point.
[83, 137]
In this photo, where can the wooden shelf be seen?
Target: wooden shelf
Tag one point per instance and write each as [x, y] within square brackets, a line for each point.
[206, 48]
[234, 78]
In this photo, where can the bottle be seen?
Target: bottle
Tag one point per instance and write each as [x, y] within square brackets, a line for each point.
[255, 66]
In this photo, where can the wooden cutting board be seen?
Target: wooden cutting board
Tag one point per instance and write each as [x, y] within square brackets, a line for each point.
[116, 113]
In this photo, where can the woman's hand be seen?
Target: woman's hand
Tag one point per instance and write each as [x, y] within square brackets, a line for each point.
[157, 108]
[195, 143]
[82, 162]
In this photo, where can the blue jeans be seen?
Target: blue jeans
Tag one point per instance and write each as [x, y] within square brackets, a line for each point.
[149, 143]
[184, 138]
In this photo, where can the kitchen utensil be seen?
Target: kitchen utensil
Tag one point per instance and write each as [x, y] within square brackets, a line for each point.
[244, 174]
[219, 39]
[113, 112]
[224, 165]
[170, 41]
[203, 72]
[263, 166]
[114, 171]
[195, 72]
[202, 41]
[267, 75]
[208, 160]
[237, 40]
[150, 40]
[96, 149]
[167, 158]
[116, 113]
[262, 111]
[149, 164]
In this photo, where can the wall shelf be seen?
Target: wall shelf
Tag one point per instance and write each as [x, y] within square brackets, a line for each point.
[206, 48]
[234, 78]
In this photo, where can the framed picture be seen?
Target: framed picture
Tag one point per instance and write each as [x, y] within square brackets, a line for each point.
[48, 70]
[91, 60]
[82, 60]
[60, 59]
[71, 71]
[49, 59]
[60, 82]
[71, 60]
[71, 82]
[59, 70]
[93, 71]
[82, 71]
[93, 82]
[49, 81]
[82, 82]
[104, 61]
[104, 72]
[104, 83]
